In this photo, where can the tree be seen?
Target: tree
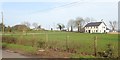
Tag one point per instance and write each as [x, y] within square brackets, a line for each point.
[113, 25]
[1, 27]
[79, 23]
[60, 26]
[35, 25]
[26, 23]
[39, 27]
[20, 27]
[9, 29]
[87, 20]
[71, 24]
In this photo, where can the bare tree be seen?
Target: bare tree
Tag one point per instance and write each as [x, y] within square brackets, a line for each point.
[60, 26]
[26, 23]
[92, 19]
[113, 25]
[35, 25]
[79, 23]
[71, 24]
[87, 20]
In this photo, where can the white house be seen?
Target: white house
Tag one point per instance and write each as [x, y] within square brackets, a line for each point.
[96, 27]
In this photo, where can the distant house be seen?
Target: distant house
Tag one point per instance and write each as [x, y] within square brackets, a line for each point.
[96, 27]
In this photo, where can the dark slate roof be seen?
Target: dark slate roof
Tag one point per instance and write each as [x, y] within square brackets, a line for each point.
[93, 24]
[107, 29]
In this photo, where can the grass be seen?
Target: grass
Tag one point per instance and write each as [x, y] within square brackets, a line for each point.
[20, 48]
[82, 42]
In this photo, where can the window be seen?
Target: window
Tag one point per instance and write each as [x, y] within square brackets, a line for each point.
[89, 31]
[96, 30]
[104, 31]
[96, 27]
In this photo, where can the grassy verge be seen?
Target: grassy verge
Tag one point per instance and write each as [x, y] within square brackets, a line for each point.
[27, 50]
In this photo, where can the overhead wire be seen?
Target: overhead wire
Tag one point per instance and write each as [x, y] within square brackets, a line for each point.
[69, 4]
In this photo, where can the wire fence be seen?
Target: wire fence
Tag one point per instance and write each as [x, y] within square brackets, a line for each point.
[73, 43]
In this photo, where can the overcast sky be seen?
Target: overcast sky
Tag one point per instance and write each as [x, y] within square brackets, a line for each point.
[50, 12]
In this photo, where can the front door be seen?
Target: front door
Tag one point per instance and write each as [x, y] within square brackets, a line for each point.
[104, 31]
[89, 31]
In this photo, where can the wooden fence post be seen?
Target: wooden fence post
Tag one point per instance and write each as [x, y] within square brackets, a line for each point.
[33, 40]
[95, 45]
[46, 39]
[67, 42]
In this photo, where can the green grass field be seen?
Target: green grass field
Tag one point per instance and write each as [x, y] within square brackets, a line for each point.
[81, 42]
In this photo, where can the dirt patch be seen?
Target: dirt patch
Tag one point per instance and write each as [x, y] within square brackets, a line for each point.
[48, 53]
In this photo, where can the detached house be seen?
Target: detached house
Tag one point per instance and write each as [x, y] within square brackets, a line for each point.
[96, 27]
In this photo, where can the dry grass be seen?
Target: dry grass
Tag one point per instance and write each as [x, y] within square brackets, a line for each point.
[114, 33]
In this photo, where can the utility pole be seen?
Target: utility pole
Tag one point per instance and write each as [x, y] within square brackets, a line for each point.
[2, 23]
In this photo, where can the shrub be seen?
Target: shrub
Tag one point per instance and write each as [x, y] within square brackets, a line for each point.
[107, 53]
[40, 44]
[9, 39]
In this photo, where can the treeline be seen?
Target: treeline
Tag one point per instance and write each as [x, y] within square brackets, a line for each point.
[23, 27]
[78, 23]
[72, 24]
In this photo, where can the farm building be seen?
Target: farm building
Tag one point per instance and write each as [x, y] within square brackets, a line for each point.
[96, 27]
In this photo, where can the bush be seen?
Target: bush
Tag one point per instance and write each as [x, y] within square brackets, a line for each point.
[7, 39]
[107, 53]
[40, 44]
